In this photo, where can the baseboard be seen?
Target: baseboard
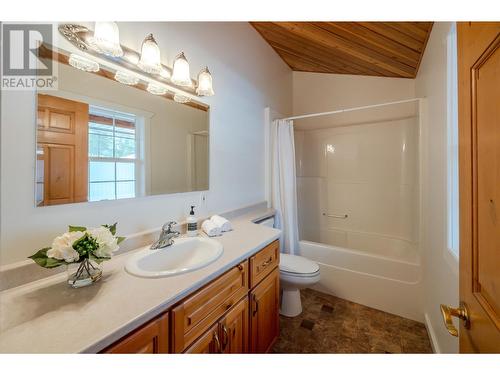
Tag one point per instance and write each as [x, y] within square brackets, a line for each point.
[432, 334]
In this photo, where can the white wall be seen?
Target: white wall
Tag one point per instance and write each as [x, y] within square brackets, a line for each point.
[440, 268]
[248, 76]
[320, 92]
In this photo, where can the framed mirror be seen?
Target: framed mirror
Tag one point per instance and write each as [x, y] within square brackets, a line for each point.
[99, 139]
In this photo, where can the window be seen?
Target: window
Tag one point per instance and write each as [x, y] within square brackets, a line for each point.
[113, 150]
[452, 137]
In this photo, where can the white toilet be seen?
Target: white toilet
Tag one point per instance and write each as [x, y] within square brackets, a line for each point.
[296, 273]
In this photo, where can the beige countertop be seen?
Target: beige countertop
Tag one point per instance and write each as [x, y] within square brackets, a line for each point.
[47, 316]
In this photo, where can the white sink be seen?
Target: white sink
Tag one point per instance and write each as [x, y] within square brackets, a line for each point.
[185, 255]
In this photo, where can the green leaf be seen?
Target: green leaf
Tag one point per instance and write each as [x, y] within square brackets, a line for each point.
[120, 239]
[41, 258]
[112, 228]
[73, 228]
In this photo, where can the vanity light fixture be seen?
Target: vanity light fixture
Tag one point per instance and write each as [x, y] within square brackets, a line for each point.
[126, 78]
[150, 56]
[205, 83]
[165, 74]
[102, 46]
[180, 75]
[106, 39]
[83, 63]
[181, 98]
[156, 89]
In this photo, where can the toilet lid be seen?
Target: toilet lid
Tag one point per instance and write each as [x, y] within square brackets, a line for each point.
[297, 264]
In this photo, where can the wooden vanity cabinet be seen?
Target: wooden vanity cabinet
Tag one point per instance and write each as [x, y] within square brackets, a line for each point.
[152, 338]
[236, 313]
[207, 343]
[264, 319]
[193, 316]
[229, 335]
[234, 329]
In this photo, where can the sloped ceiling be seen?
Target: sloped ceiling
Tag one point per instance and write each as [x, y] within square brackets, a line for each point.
[387, 49]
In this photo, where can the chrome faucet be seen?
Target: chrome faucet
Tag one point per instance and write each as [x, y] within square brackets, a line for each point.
[167, 236]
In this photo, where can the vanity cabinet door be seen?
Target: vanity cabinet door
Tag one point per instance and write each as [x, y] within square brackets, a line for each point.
[149, 339]
[207, 306]
[234, 329]
[264, 319]
[208, 343]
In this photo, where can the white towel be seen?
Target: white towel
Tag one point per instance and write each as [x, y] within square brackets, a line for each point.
[222, 223]
[210, 228]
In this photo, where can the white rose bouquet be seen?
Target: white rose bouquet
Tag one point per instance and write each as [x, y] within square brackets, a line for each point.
[80, 244]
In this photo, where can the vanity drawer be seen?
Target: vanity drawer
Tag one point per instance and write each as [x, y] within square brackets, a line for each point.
[262, 263]
[198, 312]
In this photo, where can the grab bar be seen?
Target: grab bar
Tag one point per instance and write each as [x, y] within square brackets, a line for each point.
[336, 216]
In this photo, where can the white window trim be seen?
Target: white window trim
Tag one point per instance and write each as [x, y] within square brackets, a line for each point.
[451, 253]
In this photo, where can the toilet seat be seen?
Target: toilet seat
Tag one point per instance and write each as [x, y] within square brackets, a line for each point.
[297, 266]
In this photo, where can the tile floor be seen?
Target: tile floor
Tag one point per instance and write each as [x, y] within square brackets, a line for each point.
[332, 325]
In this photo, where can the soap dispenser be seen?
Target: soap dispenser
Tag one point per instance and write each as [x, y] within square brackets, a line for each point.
[192, 224]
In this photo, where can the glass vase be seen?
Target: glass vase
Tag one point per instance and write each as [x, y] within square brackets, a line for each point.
[84, 273]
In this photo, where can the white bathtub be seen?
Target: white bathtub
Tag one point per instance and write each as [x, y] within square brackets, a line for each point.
[388, 279]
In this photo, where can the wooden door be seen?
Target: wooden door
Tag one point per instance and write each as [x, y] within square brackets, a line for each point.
[208, 343]
[264, 320]
[234, 329]
[62, 136]
[149, 339]
[479, 152]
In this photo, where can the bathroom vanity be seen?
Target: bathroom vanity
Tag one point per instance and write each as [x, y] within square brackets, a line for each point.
[236, 313]
[229, 305]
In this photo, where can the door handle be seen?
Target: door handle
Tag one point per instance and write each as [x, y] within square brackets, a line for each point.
[461, 313]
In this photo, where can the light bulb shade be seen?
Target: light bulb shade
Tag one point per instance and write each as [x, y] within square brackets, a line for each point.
[156, 89]
[150, 56]
[205, 83]
[106, 39]
[181, 98]
[83, 63]
[126, 78]
[180, 74]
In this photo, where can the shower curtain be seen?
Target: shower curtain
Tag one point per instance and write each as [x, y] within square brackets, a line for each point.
[284, 185]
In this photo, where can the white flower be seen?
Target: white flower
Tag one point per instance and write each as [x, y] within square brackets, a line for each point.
[62, 247]
[107, 242]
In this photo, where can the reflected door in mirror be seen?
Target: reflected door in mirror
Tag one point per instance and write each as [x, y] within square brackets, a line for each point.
[62, 143]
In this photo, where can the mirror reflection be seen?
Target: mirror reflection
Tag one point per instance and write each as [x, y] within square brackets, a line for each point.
[98, 139]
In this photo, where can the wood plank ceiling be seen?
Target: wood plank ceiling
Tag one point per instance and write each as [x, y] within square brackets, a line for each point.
[387, 49]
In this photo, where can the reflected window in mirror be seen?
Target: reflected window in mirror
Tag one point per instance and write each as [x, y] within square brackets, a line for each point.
[114, 162]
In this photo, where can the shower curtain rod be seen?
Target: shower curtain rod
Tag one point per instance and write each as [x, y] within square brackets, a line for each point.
[350, 109]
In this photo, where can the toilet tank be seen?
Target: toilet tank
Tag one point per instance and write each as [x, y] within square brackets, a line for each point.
[269, 222]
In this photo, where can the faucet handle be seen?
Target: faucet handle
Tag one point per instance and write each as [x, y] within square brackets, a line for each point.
[167, 227]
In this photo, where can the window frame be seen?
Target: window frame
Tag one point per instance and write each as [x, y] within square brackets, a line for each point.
[137, 160]
[452, 162]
